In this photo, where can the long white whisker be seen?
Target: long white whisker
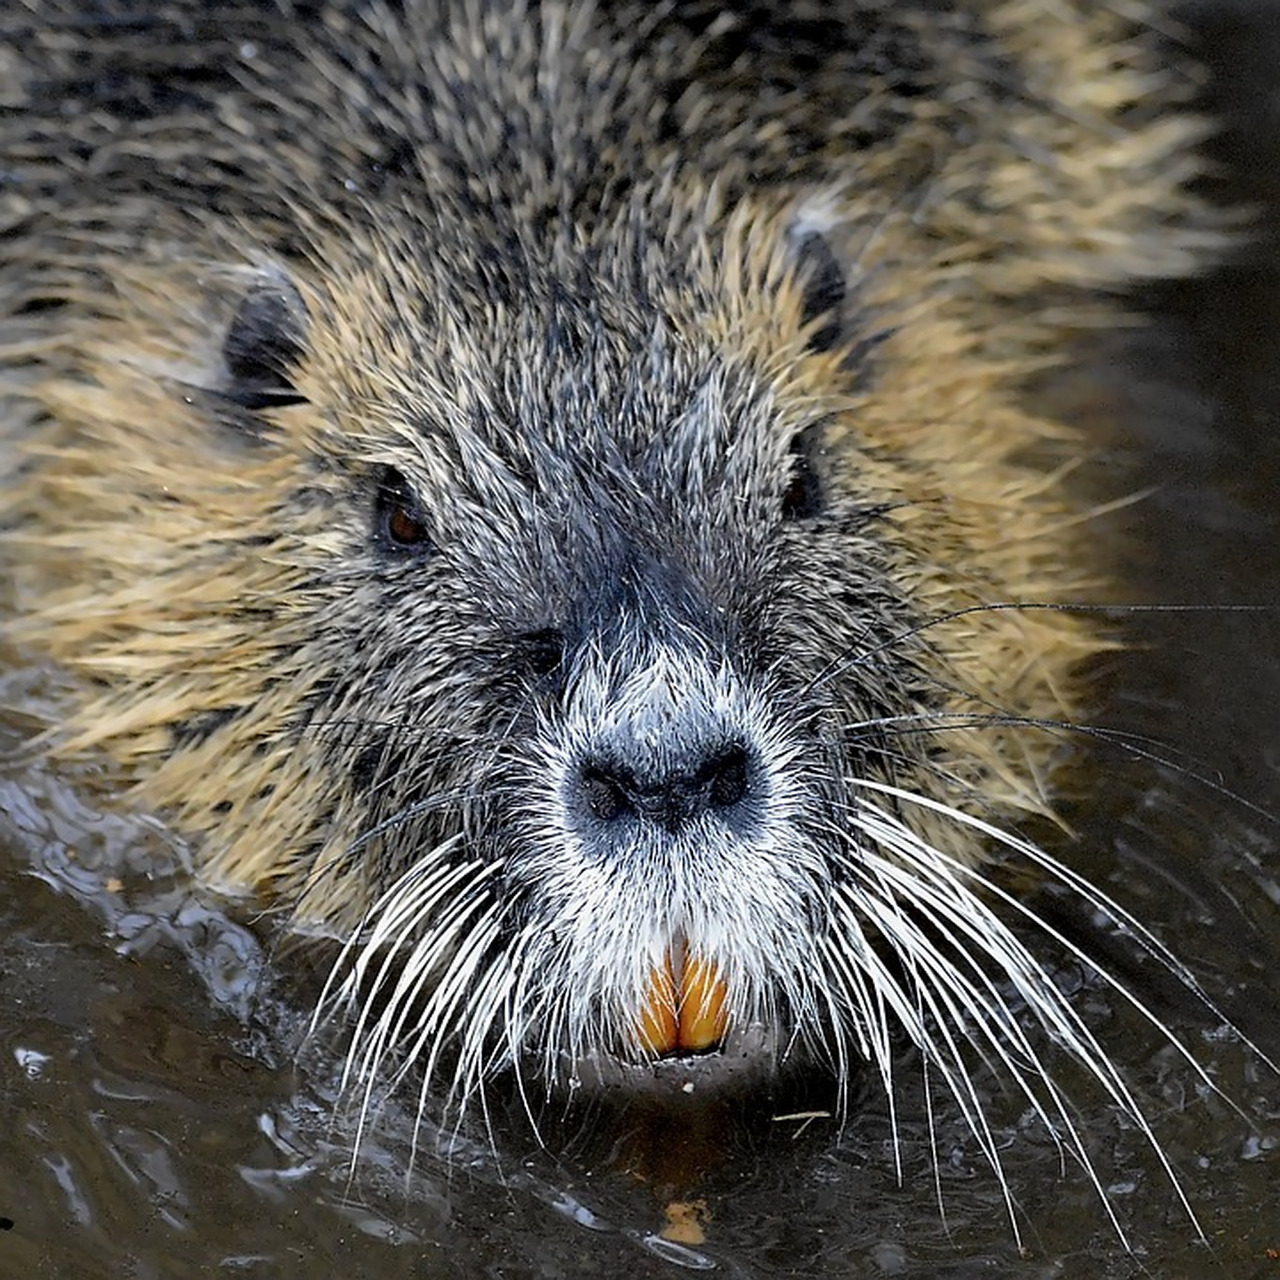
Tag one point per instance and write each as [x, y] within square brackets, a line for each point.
[1043, 999]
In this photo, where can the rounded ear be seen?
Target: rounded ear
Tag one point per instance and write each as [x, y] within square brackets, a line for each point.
[823, 286]
[264, 342]
[803, 498]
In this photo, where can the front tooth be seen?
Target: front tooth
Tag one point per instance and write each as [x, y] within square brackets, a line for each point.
[704, 1017]
[685, 1008]
[659, 1027]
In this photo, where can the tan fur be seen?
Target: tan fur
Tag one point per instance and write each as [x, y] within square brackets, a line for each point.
[132, 551]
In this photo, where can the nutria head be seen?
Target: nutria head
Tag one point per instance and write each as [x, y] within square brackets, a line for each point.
[586, 583]
[603, 640]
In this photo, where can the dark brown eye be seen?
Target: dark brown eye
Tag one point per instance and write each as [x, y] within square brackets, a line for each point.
[543, 650]
[400, 525]
[404, 529]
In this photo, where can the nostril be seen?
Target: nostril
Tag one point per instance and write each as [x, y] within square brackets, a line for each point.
[605, 795]
[725, 777]
[718, 787]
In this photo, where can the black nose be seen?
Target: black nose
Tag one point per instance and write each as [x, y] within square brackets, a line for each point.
[719, 783]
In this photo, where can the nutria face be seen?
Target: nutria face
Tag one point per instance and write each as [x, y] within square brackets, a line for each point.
[623, 733]
[568, 523]
[606, 657]
[604, 673]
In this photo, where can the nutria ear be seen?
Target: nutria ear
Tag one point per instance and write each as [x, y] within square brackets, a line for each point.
[264, 342]
[822, 280]
[803, 498]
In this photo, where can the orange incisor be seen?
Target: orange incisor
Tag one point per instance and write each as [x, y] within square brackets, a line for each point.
[684, 1010]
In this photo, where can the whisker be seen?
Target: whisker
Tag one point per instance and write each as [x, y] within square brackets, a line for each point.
[952, 1002]
[1136, 745]
[840, 666]
[993, 939]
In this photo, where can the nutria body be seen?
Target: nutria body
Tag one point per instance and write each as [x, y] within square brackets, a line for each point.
[524, 486]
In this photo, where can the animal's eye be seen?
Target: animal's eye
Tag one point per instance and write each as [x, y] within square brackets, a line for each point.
[399, 523]
[404, 528]
[543, 650]
[803, 498]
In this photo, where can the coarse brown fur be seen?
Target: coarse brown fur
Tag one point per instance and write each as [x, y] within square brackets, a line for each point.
[560, 268]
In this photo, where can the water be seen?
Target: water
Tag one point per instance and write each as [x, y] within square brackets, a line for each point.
[157, 1119]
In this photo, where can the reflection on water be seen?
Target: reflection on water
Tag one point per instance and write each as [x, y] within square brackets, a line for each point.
[157, 1119]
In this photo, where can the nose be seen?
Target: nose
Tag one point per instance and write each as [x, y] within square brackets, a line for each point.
[717, 783]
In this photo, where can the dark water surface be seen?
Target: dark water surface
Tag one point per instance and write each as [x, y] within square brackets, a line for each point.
[156, 1119]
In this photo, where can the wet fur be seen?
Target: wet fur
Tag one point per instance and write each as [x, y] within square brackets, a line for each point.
[698, 343]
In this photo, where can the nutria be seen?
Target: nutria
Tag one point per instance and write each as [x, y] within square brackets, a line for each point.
[544, 492]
